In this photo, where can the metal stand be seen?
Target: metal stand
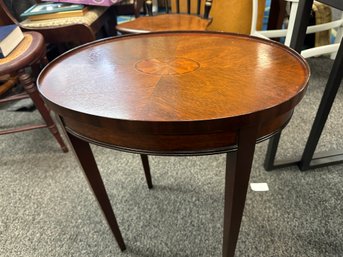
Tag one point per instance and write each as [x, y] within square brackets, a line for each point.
[309, 159]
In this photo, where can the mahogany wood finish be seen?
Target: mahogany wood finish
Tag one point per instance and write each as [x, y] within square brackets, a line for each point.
[76, 33]
[146, 166]
[168, 21]
[87, 162]
[177, 93]
[33, 53]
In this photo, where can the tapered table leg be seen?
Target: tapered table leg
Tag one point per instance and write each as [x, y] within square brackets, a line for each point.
[85, 156]
[146, 167]
[27, 82]
[238, 167]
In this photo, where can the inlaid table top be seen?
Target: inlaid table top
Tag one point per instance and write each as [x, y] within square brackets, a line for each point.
[200, 82]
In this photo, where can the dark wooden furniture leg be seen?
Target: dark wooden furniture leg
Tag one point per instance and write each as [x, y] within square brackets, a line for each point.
[146, 167]
[276, 14]
[238, 167]
[27, 82]
[86, 159]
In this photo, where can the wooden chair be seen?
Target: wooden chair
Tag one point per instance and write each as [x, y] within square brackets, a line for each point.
[75, 30]
[30, 53]
[175, 19]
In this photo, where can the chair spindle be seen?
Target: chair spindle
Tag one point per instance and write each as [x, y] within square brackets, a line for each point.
[208, 6]
[166, 4]
[148, 5]
[198, 7]
[178, 6]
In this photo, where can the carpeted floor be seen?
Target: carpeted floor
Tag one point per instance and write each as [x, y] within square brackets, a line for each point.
[47, 209]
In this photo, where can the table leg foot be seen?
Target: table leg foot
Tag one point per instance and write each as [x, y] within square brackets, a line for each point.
[31, 89]
[86, 159]
[146, 167]
[238, 167]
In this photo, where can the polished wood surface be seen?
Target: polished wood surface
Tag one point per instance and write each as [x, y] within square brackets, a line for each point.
[164, 22]
[176, 21]
[176, 93]
[161, 85]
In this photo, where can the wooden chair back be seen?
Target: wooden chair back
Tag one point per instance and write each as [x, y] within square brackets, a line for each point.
[198, 7]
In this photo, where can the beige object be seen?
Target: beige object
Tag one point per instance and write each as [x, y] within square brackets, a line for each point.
[234, 15]
[90, 16]
[19, 50]
[322, 15]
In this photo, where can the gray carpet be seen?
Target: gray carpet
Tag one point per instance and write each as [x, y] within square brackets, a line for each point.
[47, 209]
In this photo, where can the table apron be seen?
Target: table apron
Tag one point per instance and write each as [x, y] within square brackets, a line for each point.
[161, 144]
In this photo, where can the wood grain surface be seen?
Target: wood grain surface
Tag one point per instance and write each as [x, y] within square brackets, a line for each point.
[175, 92]
[29, 50]
[164, 22]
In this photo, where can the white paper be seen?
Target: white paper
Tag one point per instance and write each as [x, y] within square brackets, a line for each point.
[259, 187]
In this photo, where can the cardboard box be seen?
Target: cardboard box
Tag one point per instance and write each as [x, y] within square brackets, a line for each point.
[88, 2]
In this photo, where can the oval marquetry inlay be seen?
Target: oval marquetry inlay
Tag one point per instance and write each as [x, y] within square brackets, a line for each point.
[167, 66]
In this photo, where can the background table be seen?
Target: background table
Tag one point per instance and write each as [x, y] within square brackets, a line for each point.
[187, 93]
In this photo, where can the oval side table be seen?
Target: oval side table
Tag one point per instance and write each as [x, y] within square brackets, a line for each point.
[176, 93]
[29, 53]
